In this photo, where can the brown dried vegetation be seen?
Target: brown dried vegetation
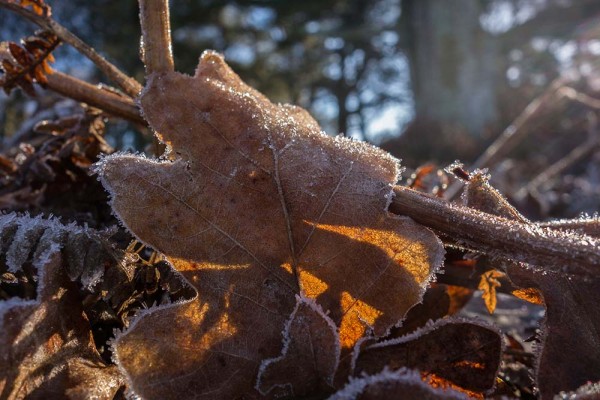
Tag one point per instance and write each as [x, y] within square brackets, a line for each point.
[269, 261]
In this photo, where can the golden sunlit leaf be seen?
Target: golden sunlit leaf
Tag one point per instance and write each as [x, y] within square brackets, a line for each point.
[258, 185]
[356, 321]
[531, 295]
[38, 6]
[488, 284]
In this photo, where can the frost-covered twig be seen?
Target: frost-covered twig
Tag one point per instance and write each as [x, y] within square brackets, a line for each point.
[553, 249]
[128, 84]
[156, 31]
[120, 106]
[589, 226]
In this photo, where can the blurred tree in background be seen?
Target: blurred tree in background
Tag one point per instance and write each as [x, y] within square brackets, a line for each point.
[426, 79]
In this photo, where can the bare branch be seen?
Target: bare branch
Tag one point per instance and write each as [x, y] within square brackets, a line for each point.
[572, 253]
[580, 97]
[126, 83]
[576, 155]
[156, 30]
[513, 133]
[120, 106]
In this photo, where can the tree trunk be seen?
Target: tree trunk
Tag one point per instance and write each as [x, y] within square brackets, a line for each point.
[454, 64]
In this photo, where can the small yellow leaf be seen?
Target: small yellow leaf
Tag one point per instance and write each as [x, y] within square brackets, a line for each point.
[488, 284]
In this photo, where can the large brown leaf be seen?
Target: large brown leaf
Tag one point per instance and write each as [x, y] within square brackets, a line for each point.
[46, 345]
[258, 206]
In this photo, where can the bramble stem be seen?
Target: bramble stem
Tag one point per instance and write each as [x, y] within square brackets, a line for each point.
[501, 237]
[120, 106]
[156, 30]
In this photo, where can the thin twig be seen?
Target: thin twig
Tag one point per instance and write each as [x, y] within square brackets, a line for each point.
[513, 134]
[156, 31]
[500, 237]
[582, 98]
[574, 156]
[126, 83]
[120, 106]
[156, 44]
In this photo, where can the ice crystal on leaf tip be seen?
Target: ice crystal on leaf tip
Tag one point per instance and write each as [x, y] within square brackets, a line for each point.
[258, 206]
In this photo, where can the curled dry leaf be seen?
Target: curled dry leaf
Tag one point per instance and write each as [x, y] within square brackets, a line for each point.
[569, 353]
[258, 206]
[402, 384]
[465, 353]
[479, 194]
[46, 346]
[52, 175]
[23, 64]
[435, 305]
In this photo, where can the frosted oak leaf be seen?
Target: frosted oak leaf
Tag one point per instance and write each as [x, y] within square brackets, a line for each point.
[257, 206]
